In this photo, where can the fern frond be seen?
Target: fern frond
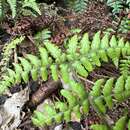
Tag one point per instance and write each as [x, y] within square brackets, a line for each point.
[77, 5]
[76, 101]
[80, 5]
[116, 5]
[79, 56]
[12, 4]
[119, 125]
[99, 127]
[1, 8]
[128, 4]
[43, 35]
[31, 4]
[124, 26]
[7, 51]
[110, 91]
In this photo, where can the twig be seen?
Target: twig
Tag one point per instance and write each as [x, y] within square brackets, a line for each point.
[45, 91]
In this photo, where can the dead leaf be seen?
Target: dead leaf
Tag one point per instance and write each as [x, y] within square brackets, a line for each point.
[10, 110]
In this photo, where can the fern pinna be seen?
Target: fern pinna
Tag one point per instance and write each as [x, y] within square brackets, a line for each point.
[80, 56]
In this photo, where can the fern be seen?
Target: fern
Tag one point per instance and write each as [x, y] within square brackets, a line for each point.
[128, 2]
[42, 36]
[7, 51]
[116, 5]
[80, 5]
[78, 102]
[109, 91]
[119, 125]
[12, 4]
[31, 4]
[77, 5]
[82, 61]
[124, 26]
[81, 56]
[119, 5]
[125, 66]
[1, 9]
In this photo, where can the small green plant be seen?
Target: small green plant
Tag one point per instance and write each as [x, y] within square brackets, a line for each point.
[118, 5]
[78, 5]
[13, 6]
[42, 37]
[119, 125]
[61, 63]
[6, 54]
[103, 95]
[80, 57]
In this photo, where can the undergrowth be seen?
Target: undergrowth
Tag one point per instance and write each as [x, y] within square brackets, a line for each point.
[80, 55]
[15, 8]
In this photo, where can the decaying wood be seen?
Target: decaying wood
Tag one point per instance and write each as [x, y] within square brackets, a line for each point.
[45, 91]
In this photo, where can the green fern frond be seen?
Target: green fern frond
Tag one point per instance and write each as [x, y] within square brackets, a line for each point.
[32, 5]
[124, 26]
[76, 101]
[7, 51]
[80, 56]
[12, 4]
[116, 5]
[77, 5]
[99, 127]
[1, 8]
[42, 36]
[80, 5]
[110, 91]
[128, 4]
[119, 125]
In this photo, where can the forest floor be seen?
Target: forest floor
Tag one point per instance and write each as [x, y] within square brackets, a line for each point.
[96, 17]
